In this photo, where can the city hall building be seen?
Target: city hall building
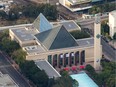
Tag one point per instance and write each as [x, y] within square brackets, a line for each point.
[45, 41]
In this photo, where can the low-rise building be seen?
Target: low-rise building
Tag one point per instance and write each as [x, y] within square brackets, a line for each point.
[77, 5]
[112, 22]
[56, 45]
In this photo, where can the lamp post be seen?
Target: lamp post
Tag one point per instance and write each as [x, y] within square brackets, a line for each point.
[57, 7]
[47, 1]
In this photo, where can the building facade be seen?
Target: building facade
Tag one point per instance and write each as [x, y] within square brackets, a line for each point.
[55, 45]
[77, 5]
[112, 22]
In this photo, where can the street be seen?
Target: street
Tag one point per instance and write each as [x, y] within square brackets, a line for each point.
[108, 50]
[7, 68]
[89, 23]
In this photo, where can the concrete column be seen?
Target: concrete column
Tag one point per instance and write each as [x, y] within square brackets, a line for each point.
[74, 58]
[97, 43]
[77, 57]
[70, 60]
[64, 60]
[57, 60]
[52, 60]
[71, 57]
[61, 58]
[80, 59]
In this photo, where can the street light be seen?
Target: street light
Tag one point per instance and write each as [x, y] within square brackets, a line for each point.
[48, 1]
[57, 5]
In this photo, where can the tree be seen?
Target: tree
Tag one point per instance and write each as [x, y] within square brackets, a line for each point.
[106, 77]
[104, 28]
[75, 83]
[50, 12]
[64, 73]
[19, 56]
[3, 34]
[65, 81]
[3, 14]
[114, 37]
[111, 81]
[107, 7]
[77, 34]
[32, 72]
[8, 46]
[13, 15]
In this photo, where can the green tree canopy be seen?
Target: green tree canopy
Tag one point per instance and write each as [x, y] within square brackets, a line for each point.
[48, 10]
[8, 45]
[114, 37]
[107, 7]
[32, 72]
[106, 77]
[19, 56]
[77, 34]
[104, 28]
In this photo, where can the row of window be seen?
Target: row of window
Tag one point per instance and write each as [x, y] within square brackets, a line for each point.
[67, 59]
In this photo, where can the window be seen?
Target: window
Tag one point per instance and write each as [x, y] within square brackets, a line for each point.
[82, 57]
[67, 57]
[55, 60]
[50, 59]
[61, 59]
[72, 58]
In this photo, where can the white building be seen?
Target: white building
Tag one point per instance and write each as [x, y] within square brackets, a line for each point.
[77, 5]
[112, 22]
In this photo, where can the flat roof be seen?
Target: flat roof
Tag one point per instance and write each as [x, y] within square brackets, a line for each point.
[85, 41]
[84, 80]
[113, 13]
[34, 49]
[45, 65]
[6, 81]
[23, 34]
[78, 9]
[70, 25]
[79, 1]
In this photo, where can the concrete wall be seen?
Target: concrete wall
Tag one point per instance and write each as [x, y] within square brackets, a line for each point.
[62, 2]
[89, 53]
[21, 43]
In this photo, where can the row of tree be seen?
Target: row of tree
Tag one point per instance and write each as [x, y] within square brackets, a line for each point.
[105, 31]
[105, 28]
[105, 78]
[29, 68]
[78, 34]
[107, 7]
[30, 10]
[65, 81]
[33, 73]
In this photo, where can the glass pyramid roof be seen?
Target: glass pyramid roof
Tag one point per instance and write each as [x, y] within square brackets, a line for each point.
[41, 23]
